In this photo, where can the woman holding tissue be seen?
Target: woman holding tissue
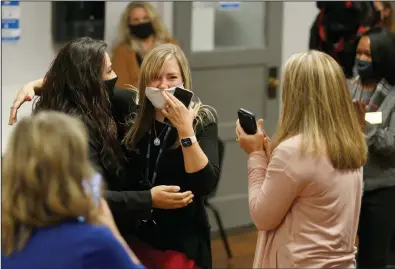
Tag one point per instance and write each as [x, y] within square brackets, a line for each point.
[171, 144]
[305, 187]
[373, 90]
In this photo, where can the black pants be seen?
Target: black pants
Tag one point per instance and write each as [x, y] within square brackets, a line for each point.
[376, 228]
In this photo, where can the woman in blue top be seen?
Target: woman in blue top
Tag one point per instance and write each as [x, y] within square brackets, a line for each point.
[52, 212]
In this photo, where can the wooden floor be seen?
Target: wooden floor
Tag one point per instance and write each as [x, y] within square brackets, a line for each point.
[243, 248]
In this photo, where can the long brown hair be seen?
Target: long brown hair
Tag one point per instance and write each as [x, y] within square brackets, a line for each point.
[150, 68]
[43, 168]
[74, 85]
[316, 103]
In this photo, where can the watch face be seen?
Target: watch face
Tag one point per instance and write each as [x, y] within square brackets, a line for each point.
[186, 142]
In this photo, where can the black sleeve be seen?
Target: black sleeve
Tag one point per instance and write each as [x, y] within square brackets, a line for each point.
[203, 182]
[124, 102]
[137, 204]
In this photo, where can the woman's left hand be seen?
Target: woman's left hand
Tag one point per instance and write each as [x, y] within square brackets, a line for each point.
[251, 143]
[180, 116]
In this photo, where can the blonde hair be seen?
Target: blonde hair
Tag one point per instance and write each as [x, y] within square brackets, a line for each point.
[161, 32]
[43, 169]
[316, 103]
[152, 65]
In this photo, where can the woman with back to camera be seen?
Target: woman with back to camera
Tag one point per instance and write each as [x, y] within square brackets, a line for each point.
[374, 90]
[185, 155]
[305, 194]
[80, 82]
[141, 29]
[48, 218]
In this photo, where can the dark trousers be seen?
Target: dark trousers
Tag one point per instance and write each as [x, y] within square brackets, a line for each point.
[376, 228]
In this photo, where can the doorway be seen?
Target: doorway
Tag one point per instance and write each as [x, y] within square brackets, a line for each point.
[234, 50]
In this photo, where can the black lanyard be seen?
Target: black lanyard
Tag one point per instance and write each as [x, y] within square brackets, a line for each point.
[148, 156]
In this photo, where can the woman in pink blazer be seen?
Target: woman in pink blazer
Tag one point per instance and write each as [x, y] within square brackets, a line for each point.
[305, 195]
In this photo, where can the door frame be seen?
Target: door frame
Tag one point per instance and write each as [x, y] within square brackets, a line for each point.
[270, 54]
[233, 203]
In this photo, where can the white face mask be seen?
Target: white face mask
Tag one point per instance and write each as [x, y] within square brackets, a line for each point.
[156, 97]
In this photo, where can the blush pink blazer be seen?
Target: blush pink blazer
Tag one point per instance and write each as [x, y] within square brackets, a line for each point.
[306, 211]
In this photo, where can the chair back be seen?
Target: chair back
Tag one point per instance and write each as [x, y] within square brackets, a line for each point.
[221, 154]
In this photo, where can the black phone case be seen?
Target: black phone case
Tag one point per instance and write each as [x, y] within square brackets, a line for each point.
[247, 121]
[184, 96]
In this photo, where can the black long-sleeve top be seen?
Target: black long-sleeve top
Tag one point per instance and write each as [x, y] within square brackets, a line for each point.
[127, 205]
[186, 230]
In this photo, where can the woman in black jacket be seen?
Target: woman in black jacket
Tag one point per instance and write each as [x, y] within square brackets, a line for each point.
[80, 82]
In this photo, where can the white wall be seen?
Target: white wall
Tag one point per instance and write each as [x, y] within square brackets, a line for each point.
[30, 57]
[298, 18]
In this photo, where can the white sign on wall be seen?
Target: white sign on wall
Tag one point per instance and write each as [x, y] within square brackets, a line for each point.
[10, 25]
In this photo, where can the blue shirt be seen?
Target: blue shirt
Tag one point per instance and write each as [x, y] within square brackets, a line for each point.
[71, 245]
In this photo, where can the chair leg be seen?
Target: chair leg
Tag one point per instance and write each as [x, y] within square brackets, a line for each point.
[222, 232]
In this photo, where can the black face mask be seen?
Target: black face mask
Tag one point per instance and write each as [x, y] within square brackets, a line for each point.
[365, 69]
[110, 85]
[142, 30]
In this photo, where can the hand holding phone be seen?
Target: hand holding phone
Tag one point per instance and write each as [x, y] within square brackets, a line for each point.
[247, 121]
[93, 187]
[184, 96]
[250, 134]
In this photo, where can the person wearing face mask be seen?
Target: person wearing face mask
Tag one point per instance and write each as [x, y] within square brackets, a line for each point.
[337, 28]
[373, 90]
[182, 151]
[141, 29]
[85, 89]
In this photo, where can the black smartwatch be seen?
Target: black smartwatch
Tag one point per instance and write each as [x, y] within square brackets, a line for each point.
[188, 141]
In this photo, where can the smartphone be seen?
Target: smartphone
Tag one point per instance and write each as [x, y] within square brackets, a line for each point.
[247, 121]
[185, 96]
[93, 187]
